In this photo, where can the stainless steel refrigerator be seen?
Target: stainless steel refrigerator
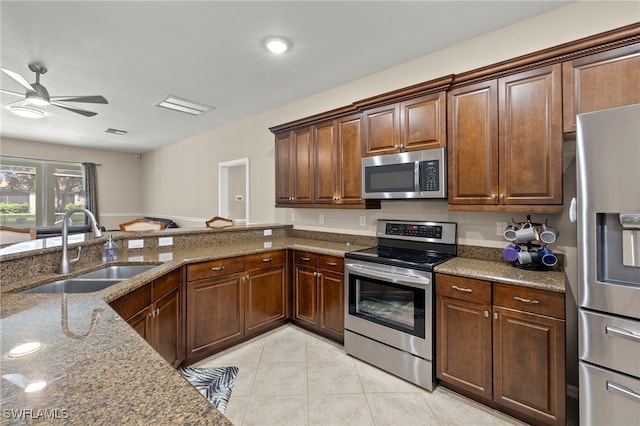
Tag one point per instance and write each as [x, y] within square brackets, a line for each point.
[608, 214]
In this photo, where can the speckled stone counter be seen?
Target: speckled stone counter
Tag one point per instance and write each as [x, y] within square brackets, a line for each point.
[503, 273]
[98, 369]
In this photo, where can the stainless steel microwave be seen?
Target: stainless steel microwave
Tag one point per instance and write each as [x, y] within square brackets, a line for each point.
[407, 175]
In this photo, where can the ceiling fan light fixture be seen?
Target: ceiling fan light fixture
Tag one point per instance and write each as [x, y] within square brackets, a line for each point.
[277, 45]
[27, 112]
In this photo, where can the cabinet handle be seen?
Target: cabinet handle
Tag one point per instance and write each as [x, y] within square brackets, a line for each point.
[520, 299]
[157, 311]
[622, 390]
[486, 314]
[306, 259]
[622, 333]
[494, 196]
[401, 146]
[495, 315]
[395, 147]
[502, 196]
[247, 277]
[267, 259]
[332, 263]
[466, 290]
[152, 314]
[217, 268]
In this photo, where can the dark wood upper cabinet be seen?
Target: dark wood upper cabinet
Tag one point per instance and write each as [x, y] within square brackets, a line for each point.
[505, 141]
[349, 161]
[411, 125]
[603, 80]
[284, 168]
[303, 166]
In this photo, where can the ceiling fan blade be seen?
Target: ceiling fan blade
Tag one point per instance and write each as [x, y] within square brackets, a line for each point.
[74, 109]
[18, 78]
[95, 99]
[9, 92]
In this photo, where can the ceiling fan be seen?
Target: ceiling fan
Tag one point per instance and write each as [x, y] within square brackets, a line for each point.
[37, 94]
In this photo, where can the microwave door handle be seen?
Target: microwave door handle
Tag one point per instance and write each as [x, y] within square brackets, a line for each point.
[416, 176]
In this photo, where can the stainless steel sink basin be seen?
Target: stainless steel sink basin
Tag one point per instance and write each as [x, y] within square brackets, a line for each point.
[117, 272]
[74, 285]
[92, 281]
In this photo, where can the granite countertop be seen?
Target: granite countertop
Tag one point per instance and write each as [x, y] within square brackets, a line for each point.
[503, 273]
[97, 368]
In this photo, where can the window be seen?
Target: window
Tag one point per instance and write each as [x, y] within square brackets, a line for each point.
[39, 193]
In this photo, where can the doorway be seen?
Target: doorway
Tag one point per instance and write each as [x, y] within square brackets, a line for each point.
[233, 190]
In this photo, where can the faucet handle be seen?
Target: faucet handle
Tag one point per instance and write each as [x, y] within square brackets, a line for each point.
[72, 261]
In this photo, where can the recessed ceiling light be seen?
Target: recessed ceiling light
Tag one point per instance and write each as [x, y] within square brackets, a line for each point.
[27, 112]
[183, 105]
[277, 45]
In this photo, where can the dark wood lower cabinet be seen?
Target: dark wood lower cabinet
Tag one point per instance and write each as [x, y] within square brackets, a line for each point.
[503, 345]
[154, 312]
[234, 299]
[318, 293]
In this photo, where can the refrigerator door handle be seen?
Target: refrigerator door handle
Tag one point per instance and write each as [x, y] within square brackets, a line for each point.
[622, 390]
[622, 333]
[573, 210]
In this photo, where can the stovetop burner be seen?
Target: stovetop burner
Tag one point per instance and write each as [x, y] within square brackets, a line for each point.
[411, 244]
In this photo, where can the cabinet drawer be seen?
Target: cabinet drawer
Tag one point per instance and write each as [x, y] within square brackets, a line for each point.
[331, 263]
[478, 291]
[305, 258]
[215, 268]
[165, 284]
[529, 299]
[132, 303]
[262, 260]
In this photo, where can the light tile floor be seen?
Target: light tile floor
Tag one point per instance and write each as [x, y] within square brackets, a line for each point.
[293, 377]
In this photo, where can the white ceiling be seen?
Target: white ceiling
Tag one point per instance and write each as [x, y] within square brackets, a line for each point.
[136, 53]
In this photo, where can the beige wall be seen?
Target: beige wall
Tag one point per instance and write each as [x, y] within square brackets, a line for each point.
[119, 176]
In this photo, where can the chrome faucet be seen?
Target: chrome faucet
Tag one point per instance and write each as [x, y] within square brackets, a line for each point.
[65, 264]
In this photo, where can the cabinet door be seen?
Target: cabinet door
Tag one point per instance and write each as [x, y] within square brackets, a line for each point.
[600, 81]
[382, 130]
[463, 333]
[165, 327]
[265, 297]
[140, 322]
[530, 117]
[349, 170]
[331, 303]
[325, 162]
[303, 173]
[304, 292]
[529, 367]
[284, 168]
[215, 314]
[424, 124]
[473, 144]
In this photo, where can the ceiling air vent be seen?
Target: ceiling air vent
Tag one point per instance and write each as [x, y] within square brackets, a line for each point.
[183, 105]
[116, 131]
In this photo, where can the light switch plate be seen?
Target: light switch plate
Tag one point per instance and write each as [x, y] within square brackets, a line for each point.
[363, 221]
[135, 244]
[165, 241]
[267, 232]
[267, 244]
[321, 219]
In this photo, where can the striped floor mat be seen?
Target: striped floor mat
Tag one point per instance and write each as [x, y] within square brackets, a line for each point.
[215, 383]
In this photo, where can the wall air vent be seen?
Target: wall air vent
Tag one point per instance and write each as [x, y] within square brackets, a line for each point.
[116, 131]
[183, 105]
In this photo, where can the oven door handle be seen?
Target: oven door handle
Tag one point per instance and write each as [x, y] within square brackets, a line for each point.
[396, 277]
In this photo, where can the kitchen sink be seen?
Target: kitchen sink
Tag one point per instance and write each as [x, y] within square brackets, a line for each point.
[117, 272]
[74, 285]
[92, 281]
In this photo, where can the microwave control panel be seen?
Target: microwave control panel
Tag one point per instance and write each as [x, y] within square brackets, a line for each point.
[430, 175]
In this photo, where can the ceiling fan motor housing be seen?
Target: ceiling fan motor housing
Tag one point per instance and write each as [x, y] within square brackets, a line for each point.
[39, 96]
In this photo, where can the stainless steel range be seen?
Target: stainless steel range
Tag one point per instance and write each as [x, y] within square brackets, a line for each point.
[389, 297]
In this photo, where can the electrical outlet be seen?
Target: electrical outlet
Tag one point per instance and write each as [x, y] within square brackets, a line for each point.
[135, 244]
[267, 232]
[500, 228]
[165, 241]
[165, 257]
[363, 221]
[293, 217]
[321, 219]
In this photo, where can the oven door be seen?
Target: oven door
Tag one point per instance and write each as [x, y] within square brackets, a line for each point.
[391, 305]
